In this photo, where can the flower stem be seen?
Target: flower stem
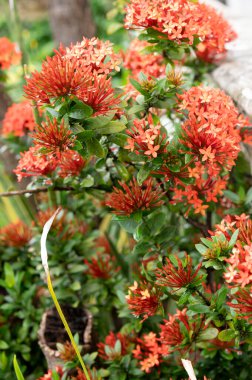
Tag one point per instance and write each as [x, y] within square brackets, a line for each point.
[63, 319]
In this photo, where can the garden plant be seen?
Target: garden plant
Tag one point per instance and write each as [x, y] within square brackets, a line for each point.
[142, 156]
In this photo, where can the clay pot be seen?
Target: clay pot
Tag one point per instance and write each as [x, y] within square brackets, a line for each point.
[52, 331]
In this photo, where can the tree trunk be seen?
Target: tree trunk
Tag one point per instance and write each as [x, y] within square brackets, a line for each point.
[71, 20]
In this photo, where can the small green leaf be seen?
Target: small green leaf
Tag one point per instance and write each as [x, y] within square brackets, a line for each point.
[233, 239]
[3, 345]
[80, 111]
[119, 139]
[143, 174]
[221, 296]
[232, 196]
[201, 248]
[226, 335]
[248, 198]
[95, 148]
[122, 170]
[99, 121]
[110, 128]
[135, 109]
[199, 308]
[88, 181]
[17, 369]
[209, 334]
[9, 275]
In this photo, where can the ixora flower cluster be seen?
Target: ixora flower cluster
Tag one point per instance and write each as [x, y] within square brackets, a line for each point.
[168, 275]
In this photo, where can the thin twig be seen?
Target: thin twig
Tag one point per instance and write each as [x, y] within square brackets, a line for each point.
[34, 191]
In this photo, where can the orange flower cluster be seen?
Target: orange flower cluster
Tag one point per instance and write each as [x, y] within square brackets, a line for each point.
[180, 21]
[143, 300]
[67, 75]
[210, 136]
[9, 53]
[103, 266]
[53, 138]
[134, 197]
[219, 32]
[177, 20]
[94, 53]
[108, 351]
[146, 138]
[149, 350]
[15, 235]
[18, 120]
[151, 64]
[32, 163]
[239, 270]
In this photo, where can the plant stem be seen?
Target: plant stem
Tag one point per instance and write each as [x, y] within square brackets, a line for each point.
[63, 319]
[203, 297]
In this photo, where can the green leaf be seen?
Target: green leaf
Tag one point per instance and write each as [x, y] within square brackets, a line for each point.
[88, 181]
[122, 170]
[80, 111]
[128, 223]
[119, 139]
[99, 121]
[233, 239]
[201, 248]
[226, 335]
[207, 242]
[248, 198]
[199, 308]
[221, 296]
[232, 196]
[135, 109]
[85, 135]
[9, 275]
[110, 128]
[209, 334]
[114, 27]
[95, 148]
[17, 369]
[3, 345]
[143, 174]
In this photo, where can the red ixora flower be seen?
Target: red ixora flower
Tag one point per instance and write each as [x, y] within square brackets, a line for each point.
[143, 300]
[64, 76]
[9, 53]
[59, 77]
[52, 137]
[219, 32]
[103, 266]
[244, 303]
[18, 120]
[112, 353]
[33, 163]
[134, 197]
[16, 234]
[177, 20]
[178, 277]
